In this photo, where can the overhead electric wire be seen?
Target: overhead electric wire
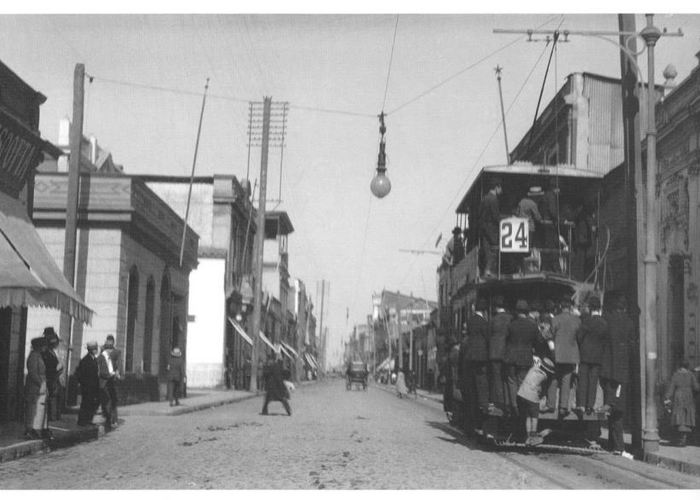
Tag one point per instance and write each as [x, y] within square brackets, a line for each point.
[476, 162]
[391, 59]
[455, 75]
[544, 81]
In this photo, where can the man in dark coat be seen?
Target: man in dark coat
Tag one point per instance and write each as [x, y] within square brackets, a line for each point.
[489, 220]
[615, 370]
[275, 390]
[176, 376]
[476, 355]
[520, 344]
[35, 392]
[89, 380]
[497, 347]
[54, 367]
[593, 339]
[565, 326]
[115, 355]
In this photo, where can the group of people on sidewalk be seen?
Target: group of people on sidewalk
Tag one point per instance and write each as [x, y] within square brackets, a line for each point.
[508, 362]
[97, 375]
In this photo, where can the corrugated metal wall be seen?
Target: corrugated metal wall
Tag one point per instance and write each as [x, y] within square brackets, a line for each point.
[605, 131]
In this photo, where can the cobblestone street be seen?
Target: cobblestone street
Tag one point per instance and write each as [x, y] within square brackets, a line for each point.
[334, 440]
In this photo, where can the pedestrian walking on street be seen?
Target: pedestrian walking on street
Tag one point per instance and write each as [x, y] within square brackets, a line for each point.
[115, 356]
[35, 423]
[176, 376]
[88, 377]
[679, 399]
[275, 390]
[54, 371]
[401, 387]
[107, 376]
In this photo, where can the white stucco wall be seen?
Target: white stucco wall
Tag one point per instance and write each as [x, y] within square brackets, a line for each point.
[205, 338]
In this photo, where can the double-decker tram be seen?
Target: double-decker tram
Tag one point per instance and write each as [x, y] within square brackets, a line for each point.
[532, 258]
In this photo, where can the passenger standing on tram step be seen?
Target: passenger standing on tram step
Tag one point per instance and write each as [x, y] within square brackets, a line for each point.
[497, 346]
[476, 353]
[565, 326]
[593, 339]
[615, 370]
[520, 343]
[489, 220]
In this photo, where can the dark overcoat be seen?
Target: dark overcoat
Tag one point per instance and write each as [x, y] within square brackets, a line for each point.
[476, 345]
[522, 336]
[176, 369]
[274, 381]
[499, 332]
[616, 359]
[87, 374]
[593, 339]
[680, 392]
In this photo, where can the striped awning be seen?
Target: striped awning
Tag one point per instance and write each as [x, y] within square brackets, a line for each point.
[310, 361]
[285, 351]
[290, 349]
[29, 275]
[237, 326]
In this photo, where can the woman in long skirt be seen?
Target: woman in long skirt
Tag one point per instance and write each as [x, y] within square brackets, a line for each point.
[679, 397]
[401, 389]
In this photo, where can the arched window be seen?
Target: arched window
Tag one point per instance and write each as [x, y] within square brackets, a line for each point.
[131, 311]
[148, 329]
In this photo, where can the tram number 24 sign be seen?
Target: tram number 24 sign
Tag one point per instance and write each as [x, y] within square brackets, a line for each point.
[514, 235]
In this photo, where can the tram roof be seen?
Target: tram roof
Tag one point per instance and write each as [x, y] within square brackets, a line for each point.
[523, 169]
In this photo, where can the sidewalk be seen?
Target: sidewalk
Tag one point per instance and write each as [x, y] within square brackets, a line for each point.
[67, 432]
[685, 459]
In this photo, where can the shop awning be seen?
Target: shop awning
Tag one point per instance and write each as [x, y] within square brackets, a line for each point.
[286, 352]
[266, 340]
[237, 326]
[290, 349]
[386, 364]
[310, 361]
[29, 275]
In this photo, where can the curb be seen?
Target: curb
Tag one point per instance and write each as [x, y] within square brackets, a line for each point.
[672, 463]
[181, 410]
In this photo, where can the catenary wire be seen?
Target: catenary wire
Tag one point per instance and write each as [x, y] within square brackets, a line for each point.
[391, 59]
[476, 162]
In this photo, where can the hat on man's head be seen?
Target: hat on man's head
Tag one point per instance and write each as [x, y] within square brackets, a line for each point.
[565, 301]
[176, 352]
[521, 306]
[549, 305]
[38, 342]
[547, 365]
[109, 341]
[50, 332]
[498, 301]
[91, 345]
[535, 191]
[482, 305]
[536, 305]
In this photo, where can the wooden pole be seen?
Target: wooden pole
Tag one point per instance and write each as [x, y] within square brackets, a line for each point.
[260, 241]
[69, 249]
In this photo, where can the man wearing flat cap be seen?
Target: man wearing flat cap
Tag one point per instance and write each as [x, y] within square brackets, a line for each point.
[489, 219]
[88, 378]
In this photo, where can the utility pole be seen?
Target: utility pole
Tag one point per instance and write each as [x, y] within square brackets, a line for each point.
[634, 204]
[650, 435]
[503, 113]
[323, 294]
[260, 240]
[69, 249]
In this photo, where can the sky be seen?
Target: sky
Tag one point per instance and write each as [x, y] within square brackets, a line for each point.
[432, 74]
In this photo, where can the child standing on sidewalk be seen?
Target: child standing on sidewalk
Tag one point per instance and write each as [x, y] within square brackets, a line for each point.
[679, 397]
[529, 395]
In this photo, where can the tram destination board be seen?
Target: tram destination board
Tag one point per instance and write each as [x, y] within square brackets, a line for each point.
[514, 235]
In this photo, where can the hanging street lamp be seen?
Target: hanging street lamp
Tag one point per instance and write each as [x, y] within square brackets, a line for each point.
[380, 184]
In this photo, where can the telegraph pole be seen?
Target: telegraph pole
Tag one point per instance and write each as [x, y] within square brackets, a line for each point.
[69, 249]
[260, 240]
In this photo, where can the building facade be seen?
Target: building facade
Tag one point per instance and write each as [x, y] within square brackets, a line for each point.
[29, 275]
[221, 288]
[127, 265]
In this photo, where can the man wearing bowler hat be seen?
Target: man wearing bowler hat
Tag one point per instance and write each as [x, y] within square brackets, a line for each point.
[89, 380]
